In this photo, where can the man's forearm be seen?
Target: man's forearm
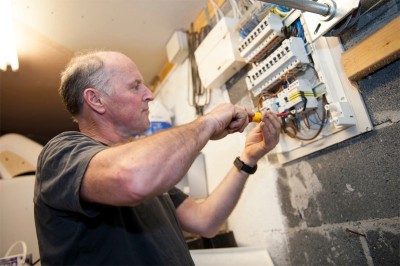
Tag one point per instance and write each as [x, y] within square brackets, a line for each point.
[130, 173]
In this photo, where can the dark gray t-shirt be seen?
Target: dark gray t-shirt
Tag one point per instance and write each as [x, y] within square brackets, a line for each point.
[74, 232]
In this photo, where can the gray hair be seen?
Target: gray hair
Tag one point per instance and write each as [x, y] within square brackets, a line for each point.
[83, 71]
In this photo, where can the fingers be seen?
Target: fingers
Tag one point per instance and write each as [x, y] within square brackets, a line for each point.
[227, 119]
[271, 125]
[272, 122]
[240, 120]
[272, 118]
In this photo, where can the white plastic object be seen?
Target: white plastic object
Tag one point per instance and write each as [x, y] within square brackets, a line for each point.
[177, 47]
[218, 57]
[341, 114]
[15, 259]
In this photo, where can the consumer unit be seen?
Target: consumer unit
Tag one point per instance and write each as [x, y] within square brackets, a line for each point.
[217, 57]
[298, 75]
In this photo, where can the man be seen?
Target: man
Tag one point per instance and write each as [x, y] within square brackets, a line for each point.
[104, 197]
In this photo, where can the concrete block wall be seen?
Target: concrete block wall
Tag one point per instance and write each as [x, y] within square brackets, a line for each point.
[342, 204]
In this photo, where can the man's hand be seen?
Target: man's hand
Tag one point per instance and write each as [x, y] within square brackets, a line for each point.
[228, 119]
[262, 139]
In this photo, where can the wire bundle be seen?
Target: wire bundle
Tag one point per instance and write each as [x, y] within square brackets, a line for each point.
[200, 96]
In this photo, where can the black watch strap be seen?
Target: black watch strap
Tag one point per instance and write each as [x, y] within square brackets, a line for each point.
[244, 167]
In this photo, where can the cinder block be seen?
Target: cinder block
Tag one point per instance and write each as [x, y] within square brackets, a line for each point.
[325, 247]
[384, 247]
[380, 93]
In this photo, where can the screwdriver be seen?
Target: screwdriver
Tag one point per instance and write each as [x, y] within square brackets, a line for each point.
[257, 117]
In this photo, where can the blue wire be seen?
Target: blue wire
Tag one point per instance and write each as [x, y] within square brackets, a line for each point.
[298, 120]
[315, 122]
[283, 8]
[300, 30]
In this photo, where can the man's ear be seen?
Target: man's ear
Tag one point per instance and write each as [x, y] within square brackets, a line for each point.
[94, 100]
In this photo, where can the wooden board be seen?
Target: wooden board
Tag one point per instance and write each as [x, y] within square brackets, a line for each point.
[15, 164]
[378, 50]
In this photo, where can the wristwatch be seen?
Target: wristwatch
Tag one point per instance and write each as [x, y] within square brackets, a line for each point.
[244, 167]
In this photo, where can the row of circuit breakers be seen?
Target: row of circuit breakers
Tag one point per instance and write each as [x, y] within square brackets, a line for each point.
[276, 60]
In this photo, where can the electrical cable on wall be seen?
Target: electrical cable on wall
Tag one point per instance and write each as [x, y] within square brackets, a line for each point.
[237, 13]
[198, 96]
[218, 12]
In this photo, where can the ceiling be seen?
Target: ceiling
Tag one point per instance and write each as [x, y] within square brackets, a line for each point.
[48, 32]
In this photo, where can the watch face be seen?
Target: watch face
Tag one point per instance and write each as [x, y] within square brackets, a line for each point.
[238, 163]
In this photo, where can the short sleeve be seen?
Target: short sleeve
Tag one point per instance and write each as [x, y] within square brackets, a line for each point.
[177, 196]
[61, 167]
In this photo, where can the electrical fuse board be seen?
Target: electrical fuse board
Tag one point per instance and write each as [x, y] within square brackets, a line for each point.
[301, 78]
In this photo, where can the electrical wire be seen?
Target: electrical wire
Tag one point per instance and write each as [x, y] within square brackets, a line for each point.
[200, 96]
[297, 30]
[218, 13]
[235, 9]
[295, 125]
[280, 10]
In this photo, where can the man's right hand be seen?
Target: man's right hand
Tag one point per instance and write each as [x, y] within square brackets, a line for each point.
[228, 119]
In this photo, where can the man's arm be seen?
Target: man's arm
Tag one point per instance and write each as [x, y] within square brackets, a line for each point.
[127, 174]
[205, 218]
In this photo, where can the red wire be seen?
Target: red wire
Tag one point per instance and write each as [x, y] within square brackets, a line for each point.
[284, 114]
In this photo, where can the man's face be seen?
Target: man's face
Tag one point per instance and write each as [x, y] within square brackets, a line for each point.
[127, 104]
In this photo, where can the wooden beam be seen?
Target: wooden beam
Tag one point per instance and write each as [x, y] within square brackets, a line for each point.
[376, 51]
[163, 74]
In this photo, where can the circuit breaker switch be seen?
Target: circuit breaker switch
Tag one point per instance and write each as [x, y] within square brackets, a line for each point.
[341, 114]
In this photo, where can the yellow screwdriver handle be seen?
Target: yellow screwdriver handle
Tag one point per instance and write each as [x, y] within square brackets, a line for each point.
[257, 117]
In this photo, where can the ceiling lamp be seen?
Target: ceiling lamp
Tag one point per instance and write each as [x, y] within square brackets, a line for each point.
[8, 48]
